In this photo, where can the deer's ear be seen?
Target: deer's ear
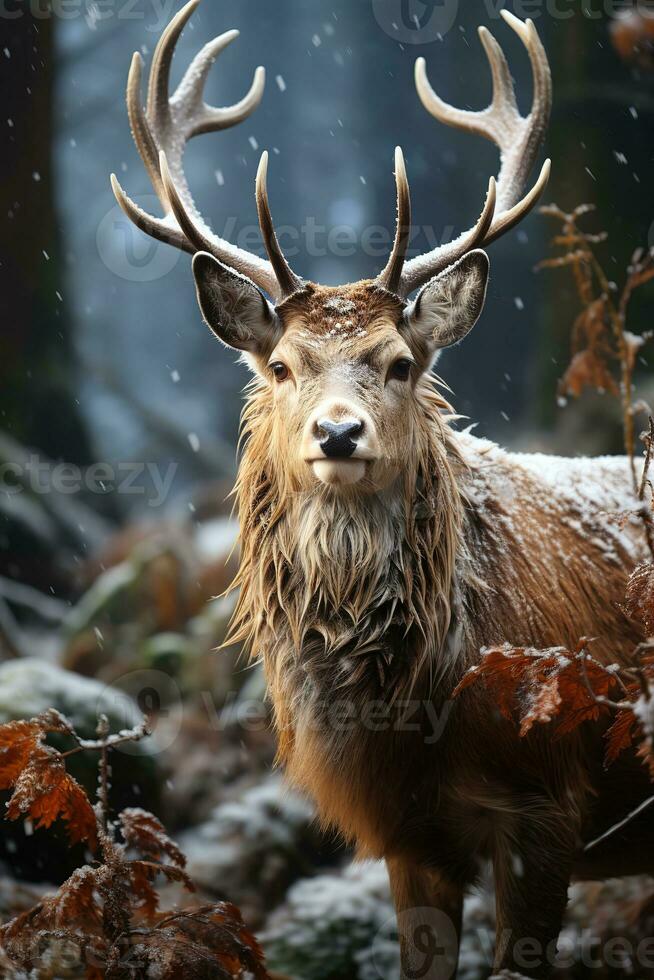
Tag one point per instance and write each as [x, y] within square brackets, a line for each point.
[234, 308]
[448, 307]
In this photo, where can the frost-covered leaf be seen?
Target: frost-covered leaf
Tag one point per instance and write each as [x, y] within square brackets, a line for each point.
[142, 875]
[142, 831]
[45, 792]
[538, 686]
[639, 597]
[208, 943]
[18, 742]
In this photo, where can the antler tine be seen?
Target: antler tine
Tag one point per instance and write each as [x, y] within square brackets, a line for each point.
[158, 108]
[518, 138]
[391, 275]
[161, 132]
[288, 282]
[195, 235]
[509, 219]
[141, 132]
[159, 228]
[203, 118]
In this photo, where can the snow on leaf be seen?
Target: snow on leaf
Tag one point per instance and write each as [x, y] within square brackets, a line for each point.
[18, 742]
[639, 597]
[211, 941]
[539, 686]
[45, 792]
[142, 831]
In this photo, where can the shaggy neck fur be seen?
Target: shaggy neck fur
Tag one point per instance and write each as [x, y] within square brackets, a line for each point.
[347, 592]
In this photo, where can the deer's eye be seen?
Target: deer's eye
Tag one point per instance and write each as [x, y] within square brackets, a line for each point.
[401, 369]
[279, 370]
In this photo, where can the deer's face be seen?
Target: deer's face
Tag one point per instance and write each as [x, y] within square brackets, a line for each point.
[342, 379]
[342, 365]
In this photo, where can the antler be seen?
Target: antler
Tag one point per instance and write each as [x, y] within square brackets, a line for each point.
[519, 140]
[161, 132]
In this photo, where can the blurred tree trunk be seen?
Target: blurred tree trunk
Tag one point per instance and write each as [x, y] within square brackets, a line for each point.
[37, 373]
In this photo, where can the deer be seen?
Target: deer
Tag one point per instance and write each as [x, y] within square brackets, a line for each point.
[382, 546]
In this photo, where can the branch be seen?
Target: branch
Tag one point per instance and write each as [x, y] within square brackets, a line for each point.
[618, 826]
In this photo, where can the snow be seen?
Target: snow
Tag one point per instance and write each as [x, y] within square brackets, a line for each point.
[644, 711]
[585, 492]
[215, 539]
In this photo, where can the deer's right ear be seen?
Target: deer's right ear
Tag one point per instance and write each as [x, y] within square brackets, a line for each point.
[234, 308]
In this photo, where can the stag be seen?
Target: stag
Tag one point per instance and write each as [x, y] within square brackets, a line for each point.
[381, 548]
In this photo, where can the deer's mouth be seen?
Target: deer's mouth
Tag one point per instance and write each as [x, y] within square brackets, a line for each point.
[339, 472]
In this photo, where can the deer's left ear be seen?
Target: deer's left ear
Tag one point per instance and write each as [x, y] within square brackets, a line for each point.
[448, 307]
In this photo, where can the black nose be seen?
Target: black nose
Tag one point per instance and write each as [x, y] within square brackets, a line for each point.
[337, 439]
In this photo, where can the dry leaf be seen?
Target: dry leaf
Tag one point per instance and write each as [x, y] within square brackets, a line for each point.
[587, 370]
[142, 831]
[639, 597]
[45, 792]
[539, 686]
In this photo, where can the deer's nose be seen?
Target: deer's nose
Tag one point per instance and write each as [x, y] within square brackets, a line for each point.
[338, 439]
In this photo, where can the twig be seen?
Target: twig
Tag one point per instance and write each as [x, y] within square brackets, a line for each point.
[590, 276]
[111, 741]
[103, 773]
[649, 447]
[623, 823]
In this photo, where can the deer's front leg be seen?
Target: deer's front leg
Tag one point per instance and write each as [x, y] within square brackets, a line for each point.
[429, 912]
[532, 867]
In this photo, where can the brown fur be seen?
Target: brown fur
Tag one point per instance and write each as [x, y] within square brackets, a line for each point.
[385, 594]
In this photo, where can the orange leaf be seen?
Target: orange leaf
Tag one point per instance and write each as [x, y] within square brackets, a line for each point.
[198, 943]
[145, 897]
[639, 597]
[44, 792]
[538, 686]
[142, 831]
[620, 735]
[587, 370]
[18, 741]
